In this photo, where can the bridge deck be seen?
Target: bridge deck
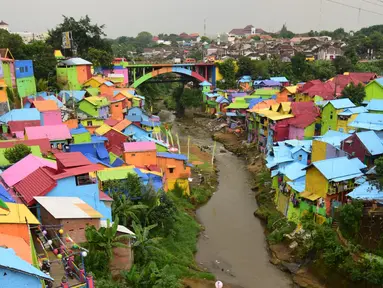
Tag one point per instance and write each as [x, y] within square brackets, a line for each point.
[168, 65]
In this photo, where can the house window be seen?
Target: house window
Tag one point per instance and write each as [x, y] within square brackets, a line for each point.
[134, 114]
[21, 69]
[331, 115]
[26, 68]
[59, 146]
[88, 123]
[116, 105]
[84, 179]
[300, 157]
[171, 170]
[133, 155]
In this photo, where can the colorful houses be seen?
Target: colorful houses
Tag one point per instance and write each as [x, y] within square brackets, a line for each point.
[330, 113]
[72, 73]
[95, 106]
[58, 135]
[141, 154]
[25, 79]
[374, 90]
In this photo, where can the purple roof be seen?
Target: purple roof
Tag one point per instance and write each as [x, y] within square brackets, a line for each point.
[238, 94]
[139, 146]
[270, 83]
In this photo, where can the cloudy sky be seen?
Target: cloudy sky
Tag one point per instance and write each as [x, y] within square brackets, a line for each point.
[127, 17]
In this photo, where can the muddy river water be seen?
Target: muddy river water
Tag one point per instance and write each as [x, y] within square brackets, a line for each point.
[233, 245]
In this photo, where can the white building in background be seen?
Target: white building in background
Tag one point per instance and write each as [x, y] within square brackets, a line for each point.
[4, 25]
[31, 36]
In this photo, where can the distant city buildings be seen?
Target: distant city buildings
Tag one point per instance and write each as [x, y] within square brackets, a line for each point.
[4, 25]
[26, 36]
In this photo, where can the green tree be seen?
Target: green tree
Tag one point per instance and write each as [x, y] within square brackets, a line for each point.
[42, 85]
[299, 66]
[16, 153]
[100, 58]
[379, 170]
[227, 69]
[13, 42]
[205, 39]
[144, 244]
[286, 33]
[322, 69]
[85, 35]
[350, 217]
[245, 66]
[342, 64]
[125, 210]
[355, 93]
[133, 186]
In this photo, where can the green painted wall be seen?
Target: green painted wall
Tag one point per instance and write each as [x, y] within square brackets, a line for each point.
[309, 132]
[88, 108]
[7, 74]
[67, 76]
[4, 162]
[94, 122]
[161, 148]
[26, 86]
[82, 138]
[293, 214]
[329, 118]
[373, 91]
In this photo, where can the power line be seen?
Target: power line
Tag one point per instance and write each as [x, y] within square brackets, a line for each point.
[373, 3]
[354, 7]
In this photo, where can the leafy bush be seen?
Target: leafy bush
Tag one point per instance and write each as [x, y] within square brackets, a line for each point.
[350, 217]
[200, 195]
[16, 153]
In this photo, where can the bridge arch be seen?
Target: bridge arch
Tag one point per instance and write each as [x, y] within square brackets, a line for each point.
[177, 70]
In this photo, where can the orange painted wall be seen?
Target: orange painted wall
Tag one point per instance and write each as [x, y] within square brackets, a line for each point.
[17, 230]
[83, 74]
[141, 158]
[106, 90]
[283, 96]
[180, 171]
[71, 123]
[116, 110]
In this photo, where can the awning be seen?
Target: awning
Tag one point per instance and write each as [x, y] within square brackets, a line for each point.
[309, 195]
[171, 166]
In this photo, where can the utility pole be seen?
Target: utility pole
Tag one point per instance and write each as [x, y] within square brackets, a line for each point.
[204, 27]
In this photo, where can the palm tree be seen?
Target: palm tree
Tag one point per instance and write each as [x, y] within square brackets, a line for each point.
[143, 243]
[124, 209]
[106, 238]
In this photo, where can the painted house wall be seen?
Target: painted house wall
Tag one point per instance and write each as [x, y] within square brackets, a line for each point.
[301, 156]
[17, 230]
[296, 133]
[141, 158]
[103, 112]
[88, 193]
[316, 182]
[357, 149]
[123, 71]
[88, 108]
[329, 118]
[26, 86]
[82, 138]
[106, 90]
[309, 132]
[342, 125]
[115, 138]
[180, 170]
[50, 118]
[83, 73]
[23, 69]
[9, 73]
[303, 98]
[67, 76]
[373, 91]
[10, 278]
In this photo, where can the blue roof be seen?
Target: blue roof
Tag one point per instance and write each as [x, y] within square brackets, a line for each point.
[333, 137]
[375, 105]
[279, 79]
[367, 191]
[151, 123]
[118, 162]
[108, 83]
[141, 174]
[77, 94]
[20, 115]
[172, 156]
[54, 98]
[379, 81]
[370, 121]
[97, 139]
[352, 111]
[79, 130]
[9, 260]
[95, 160]
[221, 99]
[205, 83]
[5, 196]
[211, 95]
[341, 103]
[339, 169]
[298, 185]
[371, 141]
[143, 138]
[254, 102]
[102, 153]
[294, 170]
[245, 79]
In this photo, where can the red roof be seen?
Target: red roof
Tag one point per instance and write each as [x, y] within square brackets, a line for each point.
[45, 145]
[303, 120]
[298, 108]
[364, 77]
[71, 160]
[115, 150]
[154, 168]
[111, 122]
[103, 196]
[38, 183]
[76, 171]
[325, 90]
[16, 126]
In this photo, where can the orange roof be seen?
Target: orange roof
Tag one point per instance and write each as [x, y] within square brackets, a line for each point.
[263, 105]
[45, 105]
[18, 244]
[71, 123]
[122, 125]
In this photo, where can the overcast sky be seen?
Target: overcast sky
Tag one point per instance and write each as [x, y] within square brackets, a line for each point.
[127, 17]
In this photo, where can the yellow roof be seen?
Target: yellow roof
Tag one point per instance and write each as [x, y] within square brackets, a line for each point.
[102, 129]
[309, 195]
[125, 93]
[274, 115]
[286, 106]
[18, 214]
[274, 107]
[292, 89]
[151, 172]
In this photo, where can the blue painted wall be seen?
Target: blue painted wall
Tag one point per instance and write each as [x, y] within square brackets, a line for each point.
[303, 159]
[16, 279]
[88, 193]
[23, 68]
[136, 131]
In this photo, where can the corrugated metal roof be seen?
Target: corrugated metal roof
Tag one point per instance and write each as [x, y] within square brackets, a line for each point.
[367, 191]
[122, 125]
[18, 214]
[333, 137]
[75, 62]
[375, 105]
[370, 121]
[76, 171]
[120, 228]
[53, 132]
[68, 208]
[20, 115]
[139, 146]
[19, 126]
[80, 130]
[72, 159]
[38, 183]
[97, 101]
[117, 173]
[78, 95]
[104, 128]
[280, 79]
[172, 156]
[338, 169]
[294, 171]
[111, 122]
[104, 197]
[5, 196]
[24, 167]
[46, 105]
[371, 141]
[9, 260]
[352, 111]
[298, 185]
[238, 105]
[341, 103]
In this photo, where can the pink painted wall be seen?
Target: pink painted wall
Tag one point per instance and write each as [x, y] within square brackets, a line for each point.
[51, 118]
[123, 71]
[296, 133]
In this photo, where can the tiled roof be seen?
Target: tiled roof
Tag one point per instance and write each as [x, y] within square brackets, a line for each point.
[25, 167]
[16, 126]
[54, 132]
[139, 146]
[38, 183]
[71, 159]
[46, 105]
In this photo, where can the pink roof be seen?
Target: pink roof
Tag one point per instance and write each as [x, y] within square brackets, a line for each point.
[25, 167]
[139, 146]
[54, 132]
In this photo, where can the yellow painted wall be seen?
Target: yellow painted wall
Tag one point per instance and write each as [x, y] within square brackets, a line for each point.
[218, 75]
[302, 98]
[316, 182]
[318, 150]
[344, 124]
[183, 183]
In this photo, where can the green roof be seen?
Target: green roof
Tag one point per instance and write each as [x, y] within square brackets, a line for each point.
[114, 174]
[269, 92]
[97, 101]
[92, 91]
[238, 105]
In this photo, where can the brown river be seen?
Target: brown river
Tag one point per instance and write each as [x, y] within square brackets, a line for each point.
[233, 245]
